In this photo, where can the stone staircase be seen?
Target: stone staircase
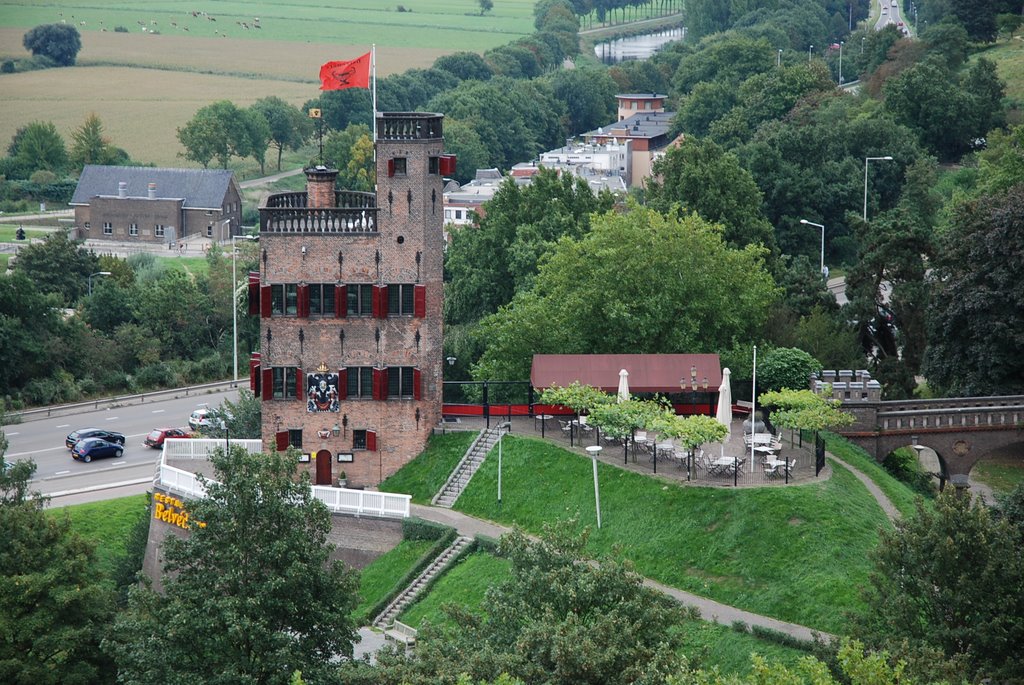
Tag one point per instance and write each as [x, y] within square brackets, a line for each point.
[466, 467]
[409, 594]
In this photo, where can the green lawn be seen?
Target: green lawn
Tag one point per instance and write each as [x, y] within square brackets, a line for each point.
[901, 496]
[380, 577]
[8, 233]
[796, 553]
[463, 584]
[1000, 475]
[426, 474]
[106, 524]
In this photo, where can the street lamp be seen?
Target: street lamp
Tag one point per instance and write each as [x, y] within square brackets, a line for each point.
[805, 222]
[234, 300]
[593, 451]
[862, 44]
[809, 48]
[841, 43]
[501, 433]
[98, 273]
[887, 158]
[778, 60]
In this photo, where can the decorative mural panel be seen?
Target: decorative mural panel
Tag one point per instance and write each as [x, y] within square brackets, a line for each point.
[322, 392]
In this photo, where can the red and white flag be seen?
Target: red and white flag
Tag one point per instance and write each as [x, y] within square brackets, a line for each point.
[341, 75]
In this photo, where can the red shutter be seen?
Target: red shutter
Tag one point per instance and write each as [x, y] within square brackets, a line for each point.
[268, 384]
[419, 301]
[447, 165]
[375, 302]
[341, 301]
[342, 383]
[254, 373]
[265, 301]
[254, 293]
[391, 167]
[380, 384]
[303, 304]
[281, 438]
[417, 380]
[371, 441]
[300, 382]
[382, 292]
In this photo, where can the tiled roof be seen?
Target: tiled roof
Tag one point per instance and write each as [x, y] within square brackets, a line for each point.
[199, 188]
[647, 372]
[643, 125]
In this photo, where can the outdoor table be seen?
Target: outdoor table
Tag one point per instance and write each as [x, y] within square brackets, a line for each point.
[543, 418]
[662, 447]
[723, 465]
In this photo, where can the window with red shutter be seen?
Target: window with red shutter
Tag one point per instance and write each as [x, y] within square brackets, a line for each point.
[391, 167]
[254, 293]
[303, 308]
[265, 301]
[343, 383]
[419, 306]
[447, 165]
[254, 375]
[300, 382]
[417, 381]
[268, 384]
[281, 438]
[371, 441]
[341, 301]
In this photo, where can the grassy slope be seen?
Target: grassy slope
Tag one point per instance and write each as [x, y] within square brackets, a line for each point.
[901, 496]
[425, 475]
[377, 579]
[796, 553]
[106, 524]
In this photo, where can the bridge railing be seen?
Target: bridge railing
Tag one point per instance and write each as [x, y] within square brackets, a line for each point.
[1011, 401]
[952, 417]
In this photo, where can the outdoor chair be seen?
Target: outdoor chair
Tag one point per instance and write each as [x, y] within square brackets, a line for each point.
[790, 467]
[565, 426]
[771, 472]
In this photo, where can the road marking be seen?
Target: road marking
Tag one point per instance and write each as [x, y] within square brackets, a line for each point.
[159, 411]
[61, 473]
[31, 452]
[10, 434]
[113, 418]
[64, 425]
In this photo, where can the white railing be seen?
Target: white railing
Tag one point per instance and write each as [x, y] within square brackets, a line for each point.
[363, 502]
[337, 500]
[188, 448]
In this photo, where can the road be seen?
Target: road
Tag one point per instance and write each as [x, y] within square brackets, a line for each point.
[63, 478]
[890, 14]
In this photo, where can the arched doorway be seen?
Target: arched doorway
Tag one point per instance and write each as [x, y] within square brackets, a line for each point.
[323, 467]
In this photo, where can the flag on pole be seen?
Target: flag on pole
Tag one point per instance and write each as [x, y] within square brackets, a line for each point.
[341, 75]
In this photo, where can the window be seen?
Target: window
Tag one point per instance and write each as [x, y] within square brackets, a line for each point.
[108, 228]
[400, 381]
[133, 229]
[359, 440]
[458, 214]
[360, 381]
[448, 214]
[401, 299]
[284, 298]
[360, 299]
[396, 166]
[321, 299]
[295, 437]
[158, 230]
[284, 382]
[209, 230]
[434, 166]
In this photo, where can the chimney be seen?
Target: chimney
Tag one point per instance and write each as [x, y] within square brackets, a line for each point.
[122, 190]
[320, 187]
[152, 191]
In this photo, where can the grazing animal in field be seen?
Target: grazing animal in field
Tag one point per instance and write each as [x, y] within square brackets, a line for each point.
[82, 23]
[186, 28]
[258, 26]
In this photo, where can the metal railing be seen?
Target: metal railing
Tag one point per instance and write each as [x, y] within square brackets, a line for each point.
[363, 502]
[409, 126]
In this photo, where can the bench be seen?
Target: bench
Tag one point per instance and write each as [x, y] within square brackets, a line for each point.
[399, 632]
[742, 407]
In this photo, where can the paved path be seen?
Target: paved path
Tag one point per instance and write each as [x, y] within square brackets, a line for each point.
[884, 502]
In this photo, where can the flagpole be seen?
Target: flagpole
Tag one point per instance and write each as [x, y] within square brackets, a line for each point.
[373, 72]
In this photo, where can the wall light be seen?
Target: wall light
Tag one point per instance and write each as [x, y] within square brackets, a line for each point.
[336, 430]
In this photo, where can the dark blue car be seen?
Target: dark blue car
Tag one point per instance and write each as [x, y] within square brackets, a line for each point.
[83, 433]
[95, 448]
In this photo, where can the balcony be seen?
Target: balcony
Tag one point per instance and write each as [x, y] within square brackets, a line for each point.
[353, 213]
[409, 126]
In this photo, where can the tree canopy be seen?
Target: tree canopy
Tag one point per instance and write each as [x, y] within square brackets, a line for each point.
[59, 42]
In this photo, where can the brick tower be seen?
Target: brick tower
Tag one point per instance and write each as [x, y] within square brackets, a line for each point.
[349, 294]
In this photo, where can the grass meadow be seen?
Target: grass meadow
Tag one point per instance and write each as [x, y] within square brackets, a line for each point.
[106, 524]
[1000, 474]
[145, 85]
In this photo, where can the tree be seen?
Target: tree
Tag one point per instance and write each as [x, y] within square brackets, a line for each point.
[242, 418]
[58, 266]
[804, 410]
[698, 175]
[465, 66]
[556, 619]
[219, 131]
[90, 146]
[485, 6]
[54, 606]
[351, 152]
[975, 322]
[462, 140]
[289, 127]
[784, 367]
[38, 146]
[949, 579]
[638, 282]
[58, 42]
[589, 95]
[251, 595]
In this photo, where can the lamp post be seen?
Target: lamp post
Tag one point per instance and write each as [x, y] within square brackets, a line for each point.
[778, 60]
[501, 433]
[98, 273]
[809, 48]
[887, 158]
[234, 301]
[862, 44]
[841, 43]
[822, 227]
[593, 451]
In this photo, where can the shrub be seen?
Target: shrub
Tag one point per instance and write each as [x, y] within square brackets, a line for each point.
[159, 375]
[903, 465]
[418, 529]
[120, 29]
[7, 67]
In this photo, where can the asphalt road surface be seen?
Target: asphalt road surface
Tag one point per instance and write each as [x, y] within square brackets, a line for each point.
[68, 481]
[890, 14]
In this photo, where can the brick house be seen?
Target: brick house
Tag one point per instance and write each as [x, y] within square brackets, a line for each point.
[156, 205]
[349, 296]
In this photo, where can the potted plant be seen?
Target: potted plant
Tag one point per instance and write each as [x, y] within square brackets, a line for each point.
[342, 480]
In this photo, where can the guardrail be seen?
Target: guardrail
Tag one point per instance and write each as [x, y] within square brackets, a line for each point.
[120, 400]
[337, 500]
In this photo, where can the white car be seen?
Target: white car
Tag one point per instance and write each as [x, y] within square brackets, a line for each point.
[200, 418]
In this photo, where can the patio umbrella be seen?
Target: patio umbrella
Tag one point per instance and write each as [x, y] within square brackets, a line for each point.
[623, 385]
[724, 413]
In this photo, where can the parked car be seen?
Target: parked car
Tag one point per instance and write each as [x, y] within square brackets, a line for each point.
[95, 448]
[156, 437]
[83, 433]
[200, 418]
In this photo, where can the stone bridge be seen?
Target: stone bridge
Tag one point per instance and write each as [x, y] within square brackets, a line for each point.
[960, 430]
